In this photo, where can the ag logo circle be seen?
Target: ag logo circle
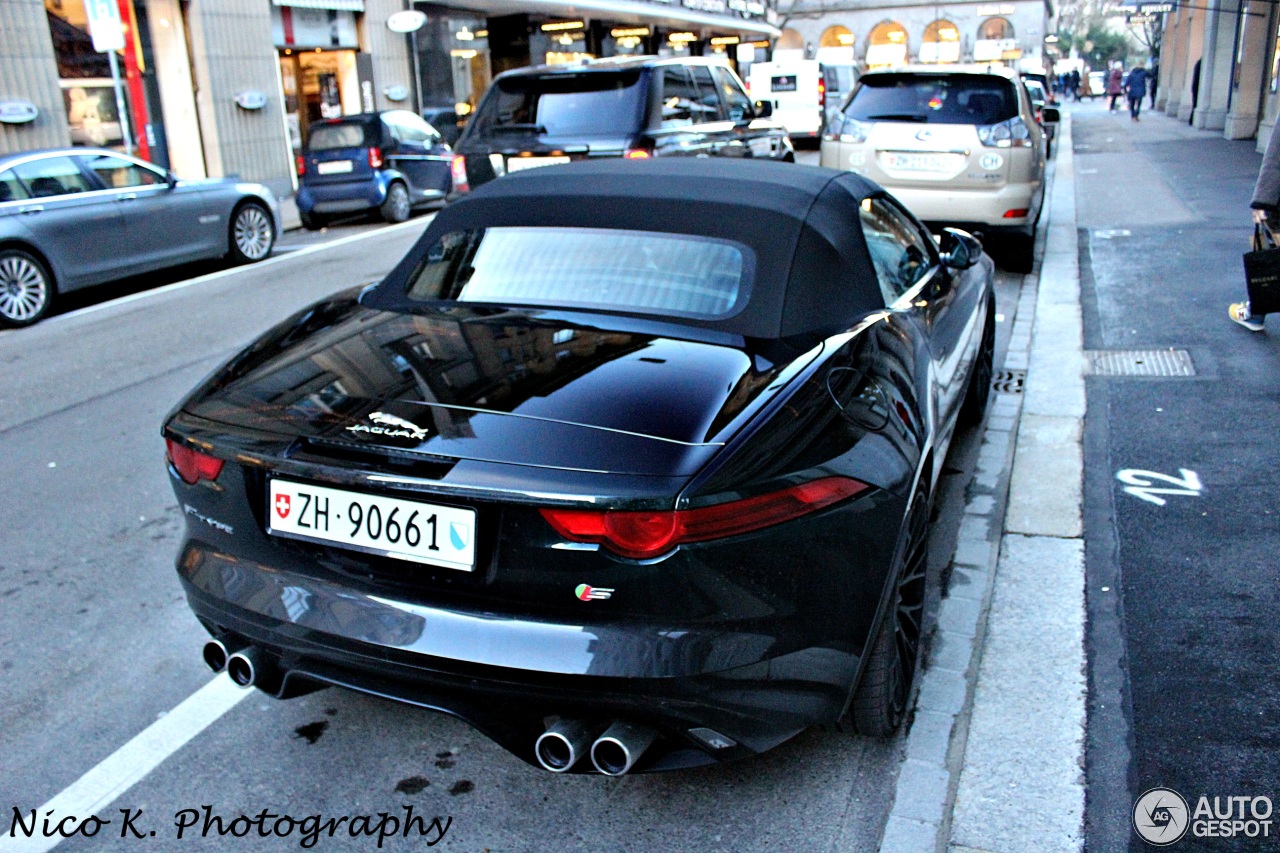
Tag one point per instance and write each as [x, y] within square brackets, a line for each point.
[1160, 816]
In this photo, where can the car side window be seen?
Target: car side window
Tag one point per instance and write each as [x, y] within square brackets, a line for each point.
[678, 97]
[707, 103]
[897, 248]
[11, 189]
[52, 176]
[118, 173]
[737, 105]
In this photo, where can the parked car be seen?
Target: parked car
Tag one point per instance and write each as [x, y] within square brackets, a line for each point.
[447, 121]
[390, 162]
[1043, 81]
[629, 465]
[959, 146]
[76, 217]
[1093, 84]
[1039, 100]
[634, 108]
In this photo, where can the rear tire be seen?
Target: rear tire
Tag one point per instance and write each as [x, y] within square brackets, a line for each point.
[979, 390]
[880, 700]
[396, 207]
[1021, 254]
[26, 288]
[253, 233]
[311, 221]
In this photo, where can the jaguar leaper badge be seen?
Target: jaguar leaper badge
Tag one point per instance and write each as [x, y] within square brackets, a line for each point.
[390, 426]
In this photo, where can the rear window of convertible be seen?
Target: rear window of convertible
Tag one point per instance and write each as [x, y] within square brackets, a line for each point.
[591, 268]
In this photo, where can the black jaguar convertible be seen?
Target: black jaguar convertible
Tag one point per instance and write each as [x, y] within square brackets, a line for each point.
[628, 464]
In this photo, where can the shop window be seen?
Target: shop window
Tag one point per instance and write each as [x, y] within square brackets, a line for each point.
[835, 47]
[52, 176]
[995, 41]
[941, 42]
[995, 28]
[887, 45]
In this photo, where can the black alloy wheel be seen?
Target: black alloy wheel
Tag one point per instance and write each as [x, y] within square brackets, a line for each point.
[979, 390]
[396, 207]
[26, 288]
[880, 701]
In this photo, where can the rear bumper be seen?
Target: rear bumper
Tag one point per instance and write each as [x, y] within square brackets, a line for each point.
[344, 197]
[507, 675]
[985, 207]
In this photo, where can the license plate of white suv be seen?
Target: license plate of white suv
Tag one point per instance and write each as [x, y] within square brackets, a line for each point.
[900, 161]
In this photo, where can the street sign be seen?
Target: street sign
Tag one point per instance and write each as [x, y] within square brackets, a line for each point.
[1155, 8]
[104, 25]
[1140, 19]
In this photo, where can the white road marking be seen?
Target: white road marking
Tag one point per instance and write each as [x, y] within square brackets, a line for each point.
[275, 258]
[129, 764]
[1138, 483]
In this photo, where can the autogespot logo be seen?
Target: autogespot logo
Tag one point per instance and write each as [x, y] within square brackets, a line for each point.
[1160, 816]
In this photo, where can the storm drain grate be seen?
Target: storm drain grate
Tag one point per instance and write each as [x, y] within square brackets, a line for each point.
[1008, 381]
[1157, 362]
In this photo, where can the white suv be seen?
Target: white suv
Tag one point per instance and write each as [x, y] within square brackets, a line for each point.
[958, 146]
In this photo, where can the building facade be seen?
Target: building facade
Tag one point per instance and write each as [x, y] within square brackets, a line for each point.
[878, 35]
[229, 87]
[1220, 67]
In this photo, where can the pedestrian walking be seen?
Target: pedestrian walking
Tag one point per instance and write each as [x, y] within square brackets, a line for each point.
[1074, 83]
[1135, 87]
[1115, 83]
[1266, 214]
[1153, 79]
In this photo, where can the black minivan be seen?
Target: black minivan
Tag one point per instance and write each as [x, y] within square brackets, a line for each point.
[634, 107]
[390, 162]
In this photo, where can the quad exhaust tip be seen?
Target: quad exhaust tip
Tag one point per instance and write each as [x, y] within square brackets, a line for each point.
[563, 744]
[617, 750]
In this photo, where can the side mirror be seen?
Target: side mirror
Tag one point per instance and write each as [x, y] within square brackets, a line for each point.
[960, 249]
[764, 109]
[171, 179]
[1051, 115]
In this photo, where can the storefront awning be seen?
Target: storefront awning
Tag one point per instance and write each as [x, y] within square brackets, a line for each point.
[340, 5]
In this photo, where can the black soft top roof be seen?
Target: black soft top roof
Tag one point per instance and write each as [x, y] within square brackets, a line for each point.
[813, 272]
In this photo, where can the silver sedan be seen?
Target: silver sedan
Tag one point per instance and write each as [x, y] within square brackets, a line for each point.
[77, 217]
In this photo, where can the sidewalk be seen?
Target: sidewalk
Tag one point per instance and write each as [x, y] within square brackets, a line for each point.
[997, 733]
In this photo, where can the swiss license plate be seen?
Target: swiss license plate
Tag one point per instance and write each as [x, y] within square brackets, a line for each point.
[516, 164]
[392, 527]
[334, 167]
[911, 162]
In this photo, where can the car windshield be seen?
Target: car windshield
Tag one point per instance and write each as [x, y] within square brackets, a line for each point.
[589, 104]
[339, 134]
[594, 268]
[934, 99]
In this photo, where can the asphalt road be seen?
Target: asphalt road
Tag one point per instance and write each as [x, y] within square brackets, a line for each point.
[1182, 587]
[97, 643]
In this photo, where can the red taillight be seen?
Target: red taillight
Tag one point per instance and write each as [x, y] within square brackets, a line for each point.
[458, 171]
[1016, 213]
[192, 465]
[375, 158]
[643, 535]
[302, 165]
[822, 92]
[638, 154]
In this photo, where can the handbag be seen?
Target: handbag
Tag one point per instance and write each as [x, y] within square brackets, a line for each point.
[1262, 272]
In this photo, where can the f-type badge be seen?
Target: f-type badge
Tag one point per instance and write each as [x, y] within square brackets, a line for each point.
[390, 426]
[592, 593]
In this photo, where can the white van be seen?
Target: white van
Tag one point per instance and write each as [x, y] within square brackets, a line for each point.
[797, 91]
[802, 91]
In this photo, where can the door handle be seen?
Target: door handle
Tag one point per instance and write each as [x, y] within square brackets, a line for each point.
[33, 208]
[127, 197]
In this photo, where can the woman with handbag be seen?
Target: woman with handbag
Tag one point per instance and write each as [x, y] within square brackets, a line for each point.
[1266, 213]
